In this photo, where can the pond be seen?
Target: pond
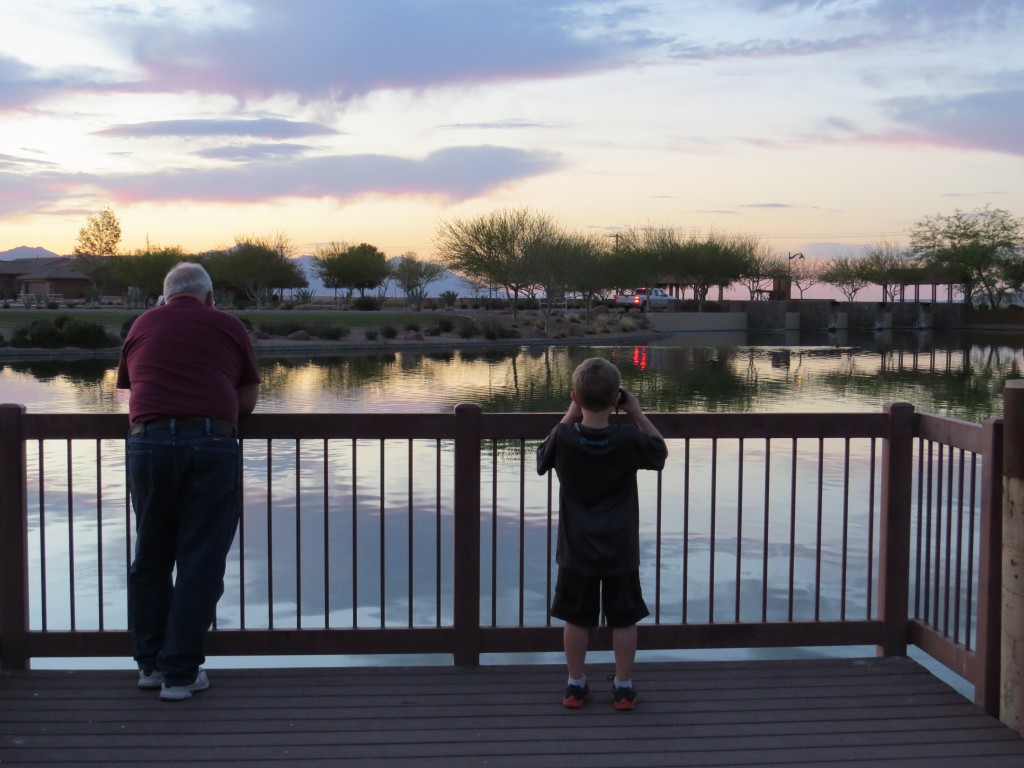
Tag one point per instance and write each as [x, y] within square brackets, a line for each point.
[953, 375]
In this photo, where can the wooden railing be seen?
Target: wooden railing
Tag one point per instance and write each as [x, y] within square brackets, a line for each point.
[432, 534]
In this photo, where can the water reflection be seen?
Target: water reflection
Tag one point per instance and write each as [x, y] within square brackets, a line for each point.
[319, 541]
[952, 374]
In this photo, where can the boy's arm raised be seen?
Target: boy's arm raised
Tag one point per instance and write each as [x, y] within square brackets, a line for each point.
[632, 407]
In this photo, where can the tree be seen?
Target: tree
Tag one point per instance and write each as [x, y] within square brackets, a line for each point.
[643, 255]
[145, 269]
[100, 236]
[494, 248]
[805, 274]
[713, 258]
[1015, 279]
[847, 274]
[352, 267]
[890, 266]
[974, 249]
[414, 276]
[760, 267]
[256, 266]
[589, 271]
[328, 265]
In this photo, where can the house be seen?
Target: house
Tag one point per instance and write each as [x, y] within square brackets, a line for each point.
[46, 276]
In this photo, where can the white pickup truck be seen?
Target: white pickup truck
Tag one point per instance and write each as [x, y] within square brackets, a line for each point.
[643, 298]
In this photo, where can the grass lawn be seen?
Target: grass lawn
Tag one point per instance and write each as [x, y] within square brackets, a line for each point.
[112, 319]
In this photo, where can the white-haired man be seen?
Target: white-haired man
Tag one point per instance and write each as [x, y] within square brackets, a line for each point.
[192, 371]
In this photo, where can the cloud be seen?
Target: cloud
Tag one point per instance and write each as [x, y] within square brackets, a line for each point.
[514, 124]
[21, 84]
[812, 27]
[990, 120]
[456, 173]
[250, 152]
[265, 128]
[342, 50]
[905, 16]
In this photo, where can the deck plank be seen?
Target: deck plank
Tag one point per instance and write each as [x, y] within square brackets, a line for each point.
[827, 712]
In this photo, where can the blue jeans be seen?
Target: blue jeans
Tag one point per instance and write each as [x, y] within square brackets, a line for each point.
[185, 488]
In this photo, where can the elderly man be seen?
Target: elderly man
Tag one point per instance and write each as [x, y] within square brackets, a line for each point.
[191, 370]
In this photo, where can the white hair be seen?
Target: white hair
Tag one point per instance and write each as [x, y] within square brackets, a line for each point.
[188, 277]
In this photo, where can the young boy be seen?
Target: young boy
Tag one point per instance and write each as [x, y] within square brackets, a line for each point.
[599, 522]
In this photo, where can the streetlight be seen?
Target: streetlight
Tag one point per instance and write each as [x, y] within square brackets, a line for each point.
[789, 266]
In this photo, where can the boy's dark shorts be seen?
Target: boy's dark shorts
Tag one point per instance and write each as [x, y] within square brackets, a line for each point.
[579, 598]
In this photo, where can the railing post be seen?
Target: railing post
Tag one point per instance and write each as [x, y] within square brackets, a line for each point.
[466, 652]
[1012, 655]
[894, 554]
[987, 647]
[13, 540]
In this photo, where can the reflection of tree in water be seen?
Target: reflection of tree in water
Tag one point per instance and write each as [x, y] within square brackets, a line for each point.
[964, 382]
[332, 373]
[664, 379]
[84, 371]
[90, 383]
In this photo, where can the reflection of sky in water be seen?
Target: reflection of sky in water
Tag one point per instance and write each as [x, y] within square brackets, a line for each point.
[947, 376]
[962, 381]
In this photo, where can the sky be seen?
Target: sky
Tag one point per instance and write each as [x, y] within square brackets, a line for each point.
[822, 126]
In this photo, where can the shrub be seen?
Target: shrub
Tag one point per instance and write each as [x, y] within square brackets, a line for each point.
[389, 331]
[329, 331]
[627, 325]
[63, 332]
[412, 325]
[280, 327]
[467, 328]
[370, 334]
[445, 324]
[366, 303]
[305, 295]
[448, 298]
[493, 330]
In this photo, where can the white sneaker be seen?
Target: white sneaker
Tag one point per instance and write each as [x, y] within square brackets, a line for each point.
[150, 681]
[182, 692]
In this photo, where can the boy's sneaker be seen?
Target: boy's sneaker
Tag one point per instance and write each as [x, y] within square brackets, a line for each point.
[576, 696]
[182, 692]
[624, 698]
[150, 679]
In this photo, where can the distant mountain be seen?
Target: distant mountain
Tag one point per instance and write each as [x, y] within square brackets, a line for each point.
[24, 252]
[449, 282]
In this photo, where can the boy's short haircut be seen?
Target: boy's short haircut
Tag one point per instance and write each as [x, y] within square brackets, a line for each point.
[596, 382]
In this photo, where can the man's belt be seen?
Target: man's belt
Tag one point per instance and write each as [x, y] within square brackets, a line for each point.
[215, 426]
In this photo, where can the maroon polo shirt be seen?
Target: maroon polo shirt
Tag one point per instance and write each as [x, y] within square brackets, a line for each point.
[186, 359]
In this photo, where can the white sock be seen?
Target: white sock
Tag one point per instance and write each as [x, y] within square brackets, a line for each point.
[581, 682]
[623, 683]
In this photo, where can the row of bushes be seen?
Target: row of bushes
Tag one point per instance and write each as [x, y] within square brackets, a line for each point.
[62, 331]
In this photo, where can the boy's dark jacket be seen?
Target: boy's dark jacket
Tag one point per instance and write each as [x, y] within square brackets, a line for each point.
[599, 510]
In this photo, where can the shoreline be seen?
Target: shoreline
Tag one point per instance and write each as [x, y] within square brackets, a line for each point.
[282, 347]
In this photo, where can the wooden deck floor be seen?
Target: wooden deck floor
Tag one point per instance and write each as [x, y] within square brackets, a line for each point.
[846, 712]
